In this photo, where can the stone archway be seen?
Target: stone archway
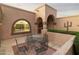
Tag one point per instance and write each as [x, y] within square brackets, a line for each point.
[50, 21]
[21, 26]
[39, 25]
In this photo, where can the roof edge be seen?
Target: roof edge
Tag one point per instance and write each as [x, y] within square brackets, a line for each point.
[1, 4]
[51, 7]
[68, 16]
[45, 5]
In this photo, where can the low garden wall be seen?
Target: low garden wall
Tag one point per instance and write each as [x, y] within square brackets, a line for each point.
[64, 42]
[76, 41]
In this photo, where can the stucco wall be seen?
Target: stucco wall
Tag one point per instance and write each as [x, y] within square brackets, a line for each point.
[50, 11]
[12, 14]
[0, 23]
[40, 12]
[75, 23]
[44, 11]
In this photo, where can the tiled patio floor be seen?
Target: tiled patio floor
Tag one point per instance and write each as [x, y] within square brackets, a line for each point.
[56, 41]
[32, 51]
[6, 46]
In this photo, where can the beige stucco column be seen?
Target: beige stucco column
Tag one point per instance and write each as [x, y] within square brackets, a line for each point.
[44, 30]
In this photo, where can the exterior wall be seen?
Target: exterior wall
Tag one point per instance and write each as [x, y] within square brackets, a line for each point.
[12, 14]
[0, 25]
[40, 12]
[75, 23]
[50, 11]
[44, 11]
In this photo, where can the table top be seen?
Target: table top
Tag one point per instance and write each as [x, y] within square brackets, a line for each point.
[35, 38]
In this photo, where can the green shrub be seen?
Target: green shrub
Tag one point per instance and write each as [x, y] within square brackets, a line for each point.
[63, 31]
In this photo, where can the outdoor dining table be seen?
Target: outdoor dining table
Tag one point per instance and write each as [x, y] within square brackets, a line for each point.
[34, 41]
[34, 44]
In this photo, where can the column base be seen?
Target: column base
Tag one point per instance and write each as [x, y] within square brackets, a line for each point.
[44, 31]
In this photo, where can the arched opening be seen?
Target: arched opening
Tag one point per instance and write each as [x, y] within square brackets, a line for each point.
[21, 26]
[50, 22]
[39, 24]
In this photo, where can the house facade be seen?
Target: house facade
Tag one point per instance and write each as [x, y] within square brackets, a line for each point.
[44, 17]
[36, 20]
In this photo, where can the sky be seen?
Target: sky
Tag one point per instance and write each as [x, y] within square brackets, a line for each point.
[63, 9]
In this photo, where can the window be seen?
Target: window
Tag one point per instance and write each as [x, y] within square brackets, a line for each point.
[20, 26]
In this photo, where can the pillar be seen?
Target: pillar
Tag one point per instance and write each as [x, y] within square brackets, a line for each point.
[44, 30]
